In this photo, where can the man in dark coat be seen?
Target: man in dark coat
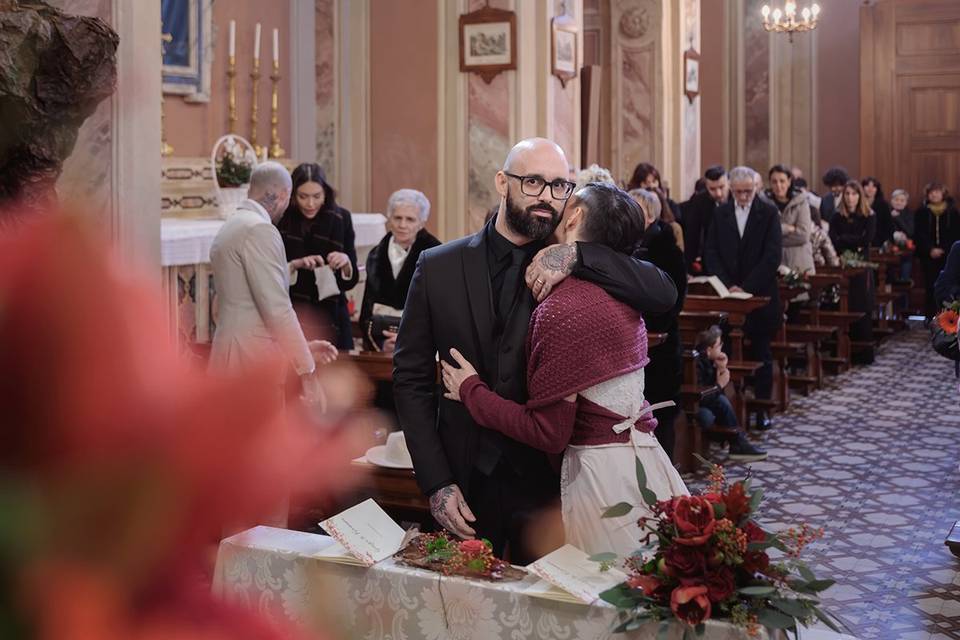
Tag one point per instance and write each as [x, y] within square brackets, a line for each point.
[698, 213]
[470, 294]
[743, 249]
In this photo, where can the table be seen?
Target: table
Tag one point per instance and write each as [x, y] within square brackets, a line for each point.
[277, 573]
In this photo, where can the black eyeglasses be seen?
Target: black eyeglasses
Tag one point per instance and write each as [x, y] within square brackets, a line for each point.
[533, 186]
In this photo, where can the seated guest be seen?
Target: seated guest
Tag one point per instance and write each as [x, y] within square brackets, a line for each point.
[795, 220]
[390, 266]
[698, 213]
[903, 228]
[314, 224]
[873, 192]
[594, 173]
[937, 227]
[743, 249]
[824, 253]
[834, 179]
[664, 373]
[852, 229]
[947, 285]
[715, 409]
[646, 176]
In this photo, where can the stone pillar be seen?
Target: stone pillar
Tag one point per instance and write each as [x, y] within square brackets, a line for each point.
[303, 75]
[352, 89]
[114, 171]
[652, 119]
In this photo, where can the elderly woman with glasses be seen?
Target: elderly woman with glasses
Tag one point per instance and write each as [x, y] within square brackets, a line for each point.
[390, 268]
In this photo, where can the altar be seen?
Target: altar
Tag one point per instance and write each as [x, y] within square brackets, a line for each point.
[189, 291]
[280, 574]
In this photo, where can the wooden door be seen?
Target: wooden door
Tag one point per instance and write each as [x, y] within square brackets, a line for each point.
[910, 93]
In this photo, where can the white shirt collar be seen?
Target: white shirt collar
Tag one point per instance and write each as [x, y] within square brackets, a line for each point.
[397, 255]
[256, 207]
[742, 213]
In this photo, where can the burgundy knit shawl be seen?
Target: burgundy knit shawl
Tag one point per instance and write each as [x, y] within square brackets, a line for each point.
[579, 337]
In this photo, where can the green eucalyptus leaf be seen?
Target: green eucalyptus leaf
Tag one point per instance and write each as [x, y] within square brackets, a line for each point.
[820, 585]
[617, 510]
[649, 497]
[793, 608]
[773, 619]
[757, 591]
[825, 619]
[641, 475]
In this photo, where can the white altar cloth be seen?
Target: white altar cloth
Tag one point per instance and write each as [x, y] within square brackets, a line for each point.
[276, 571]
[186, 242]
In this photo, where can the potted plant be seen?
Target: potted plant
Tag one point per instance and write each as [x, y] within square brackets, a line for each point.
[233, 160]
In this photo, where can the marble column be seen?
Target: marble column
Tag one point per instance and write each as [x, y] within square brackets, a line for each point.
[304, 62]
[114, 171]
[792, 97]
[652, 119]
[352, 90]
[325, 48]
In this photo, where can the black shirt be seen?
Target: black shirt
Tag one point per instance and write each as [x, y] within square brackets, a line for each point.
[499, 257]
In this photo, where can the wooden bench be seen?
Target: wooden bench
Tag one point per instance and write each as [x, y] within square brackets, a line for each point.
[736, 310]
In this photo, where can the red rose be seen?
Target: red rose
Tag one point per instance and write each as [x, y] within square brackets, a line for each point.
[650, 585]
[693, 516]
[755, 561]
[684, 562]
[754, 532]
[690, 604]
[738, 503]
[720, 585]
[714, 498]
[473, 547]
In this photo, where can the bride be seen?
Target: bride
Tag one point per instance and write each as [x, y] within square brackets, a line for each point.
[585, 357]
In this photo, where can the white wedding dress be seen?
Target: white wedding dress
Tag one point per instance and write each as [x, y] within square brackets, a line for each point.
[595, 477]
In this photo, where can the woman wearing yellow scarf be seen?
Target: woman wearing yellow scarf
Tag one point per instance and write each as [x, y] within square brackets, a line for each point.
[937, 228]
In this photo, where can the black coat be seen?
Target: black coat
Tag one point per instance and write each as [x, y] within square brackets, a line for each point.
[698, 213]
[931, 232]
[885, 228]
[450, 305]
[854, 233]
[750, 262]
[947, 286]
[381, 287]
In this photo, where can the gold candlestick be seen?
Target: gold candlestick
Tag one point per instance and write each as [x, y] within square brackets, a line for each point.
[276, 151]
[232, 93]
[165, 148]
[255, 109]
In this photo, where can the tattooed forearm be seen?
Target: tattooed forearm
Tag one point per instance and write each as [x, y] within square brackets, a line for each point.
[561, 257]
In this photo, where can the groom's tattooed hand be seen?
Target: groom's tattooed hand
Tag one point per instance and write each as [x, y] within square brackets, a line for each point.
[449, 509]
[550, 267]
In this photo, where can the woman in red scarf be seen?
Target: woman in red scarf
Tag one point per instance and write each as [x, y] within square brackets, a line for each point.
[585, 357]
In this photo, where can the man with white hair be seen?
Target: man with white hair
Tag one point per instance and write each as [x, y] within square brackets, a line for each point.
[257, 322]
[742, 248]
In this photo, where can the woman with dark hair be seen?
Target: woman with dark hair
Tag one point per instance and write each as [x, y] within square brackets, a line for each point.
[852, 229]
[646, 176]
[936, 228]
[314, 224]
[873, 192]
[795, 220]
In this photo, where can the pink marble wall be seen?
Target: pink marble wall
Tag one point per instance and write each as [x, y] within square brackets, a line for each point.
[326, 88]
[488, 134]
[756, 49]
[637, 108]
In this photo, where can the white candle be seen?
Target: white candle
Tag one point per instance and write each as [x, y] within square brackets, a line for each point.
[276, 45]
[256, 42]
[233, 38]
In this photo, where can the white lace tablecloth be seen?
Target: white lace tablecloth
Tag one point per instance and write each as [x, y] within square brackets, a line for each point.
[185, 242]
[276, 572]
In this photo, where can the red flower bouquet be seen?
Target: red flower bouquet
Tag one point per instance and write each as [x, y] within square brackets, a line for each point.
[943, 331]
[706, 557]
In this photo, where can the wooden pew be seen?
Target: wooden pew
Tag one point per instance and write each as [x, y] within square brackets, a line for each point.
[377, 366]
[736, 310]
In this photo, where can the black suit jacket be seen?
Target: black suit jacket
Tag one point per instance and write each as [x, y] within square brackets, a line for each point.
[450, 305]
[750, 262]
[947, 285]
[698, 213]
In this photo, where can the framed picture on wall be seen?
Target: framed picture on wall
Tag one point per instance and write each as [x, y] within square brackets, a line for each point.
[188, 51]
[691, 73]
[563, 50]
[488, 42]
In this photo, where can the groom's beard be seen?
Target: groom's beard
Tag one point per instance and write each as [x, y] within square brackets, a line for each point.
[529, 224]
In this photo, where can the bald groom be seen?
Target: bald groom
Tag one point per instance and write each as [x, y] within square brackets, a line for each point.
[471, 294]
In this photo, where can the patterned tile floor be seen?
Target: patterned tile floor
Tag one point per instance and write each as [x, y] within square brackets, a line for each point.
[873, 459]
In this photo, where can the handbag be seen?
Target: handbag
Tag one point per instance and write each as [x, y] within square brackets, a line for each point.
[384, 318]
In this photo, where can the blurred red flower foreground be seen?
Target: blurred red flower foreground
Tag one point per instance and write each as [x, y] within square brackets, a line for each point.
[122, 464]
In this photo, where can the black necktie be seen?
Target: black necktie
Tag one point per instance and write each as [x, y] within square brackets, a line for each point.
[511, 280]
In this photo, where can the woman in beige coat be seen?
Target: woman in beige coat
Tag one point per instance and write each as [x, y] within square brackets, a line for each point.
[794, 220]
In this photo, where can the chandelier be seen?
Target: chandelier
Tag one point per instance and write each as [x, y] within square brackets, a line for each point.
[785, 21]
